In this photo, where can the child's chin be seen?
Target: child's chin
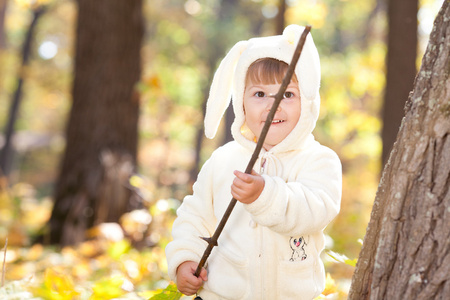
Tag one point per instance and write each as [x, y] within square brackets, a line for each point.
[269, 144]
[275, 139]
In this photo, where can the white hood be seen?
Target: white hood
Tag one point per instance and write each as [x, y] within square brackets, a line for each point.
[229, 83]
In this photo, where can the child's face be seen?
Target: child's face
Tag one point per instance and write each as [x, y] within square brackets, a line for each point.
[257, 104]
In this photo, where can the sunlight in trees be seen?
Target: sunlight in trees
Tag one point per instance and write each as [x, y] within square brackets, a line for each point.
[48, 50]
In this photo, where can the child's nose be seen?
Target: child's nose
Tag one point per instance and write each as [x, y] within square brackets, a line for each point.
[270, 104]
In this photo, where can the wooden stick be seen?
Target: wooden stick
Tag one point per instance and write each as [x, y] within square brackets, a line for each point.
[212, 241]
[4, 263]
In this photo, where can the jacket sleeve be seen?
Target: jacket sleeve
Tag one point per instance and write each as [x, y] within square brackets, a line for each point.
[306, 205]
[195, 219]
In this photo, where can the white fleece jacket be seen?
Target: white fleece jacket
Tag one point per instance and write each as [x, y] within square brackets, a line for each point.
[270, 248]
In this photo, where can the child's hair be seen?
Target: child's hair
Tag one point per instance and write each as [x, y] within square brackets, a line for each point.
[267, 71]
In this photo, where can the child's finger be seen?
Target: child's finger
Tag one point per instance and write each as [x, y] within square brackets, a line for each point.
[203, 274]
[194, 284]
[236, 191]
[243, 176]
[239, 185]
[188, 287]
[188, 291]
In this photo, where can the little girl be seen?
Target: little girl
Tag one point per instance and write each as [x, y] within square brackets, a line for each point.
[270, 246]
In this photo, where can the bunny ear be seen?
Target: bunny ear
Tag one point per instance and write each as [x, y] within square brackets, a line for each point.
[308, 64]
[293, 32]
[220, 92]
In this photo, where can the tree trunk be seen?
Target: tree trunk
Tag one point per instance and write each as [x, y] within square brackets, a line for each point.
[102, 133]
[401, 67]
[213, 53]
[406, 250]
[7, 151]
[3, 6]
[280, 20]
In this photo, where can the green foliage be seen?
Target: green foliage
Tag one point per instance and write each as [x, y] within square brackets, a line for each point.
[342, 258]
[118, 249]
[169, 293]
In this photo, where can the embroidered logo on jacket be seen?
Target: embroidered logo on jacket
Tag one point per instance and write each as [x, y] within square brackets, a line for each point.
[298, 250]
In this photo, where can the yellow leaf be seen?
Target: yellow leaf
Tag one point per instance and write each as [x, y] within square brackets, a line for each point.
[19, 271]
[35, 252]
[330, 286]
[136, 181]
[153, 81]
[89, 249]
[108, 288]
[82, 270]
[56, 286]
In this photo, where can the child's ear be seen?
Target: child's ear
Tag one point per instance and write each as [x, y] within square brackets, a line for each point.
[220, 92]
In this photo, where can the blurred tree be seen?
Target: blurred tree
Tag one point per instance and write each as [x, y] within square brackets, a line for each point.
[401, 67]
[280, 20]
[3, 5]
[255, 29]
[7, 151]
[216, 49]
[222, 39]
[405, 254]
[102, 133]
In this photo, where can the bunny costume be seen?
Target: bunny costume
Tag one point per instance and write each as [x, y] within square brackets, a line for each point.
[269, 249]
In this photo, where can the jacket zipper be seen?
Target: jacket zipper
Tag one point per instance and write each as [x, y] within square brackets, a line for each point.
[261, 253]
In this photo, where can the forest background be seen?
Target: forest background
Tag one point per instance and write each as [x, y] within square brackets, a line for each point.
[126, 259]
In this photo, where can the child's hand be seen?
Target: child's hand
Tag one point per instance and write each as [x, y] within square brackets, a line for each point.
[187, 282]
[246, 188]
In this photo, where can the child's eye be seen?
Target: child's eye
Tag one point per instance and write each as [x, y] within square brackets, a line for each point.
[260, 94]
[288, 95]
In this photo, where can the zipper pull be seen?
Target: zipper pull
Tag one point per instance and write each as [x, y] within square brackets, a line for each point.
[263, 165]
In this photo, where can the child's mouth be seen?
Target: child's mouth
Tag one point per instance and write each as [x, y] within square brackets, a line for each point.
[277, 121]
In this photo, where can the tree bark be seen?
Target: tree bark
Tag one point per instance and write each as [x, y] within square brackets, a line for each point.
[400, 67]
[102, 132]
[406, 250]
